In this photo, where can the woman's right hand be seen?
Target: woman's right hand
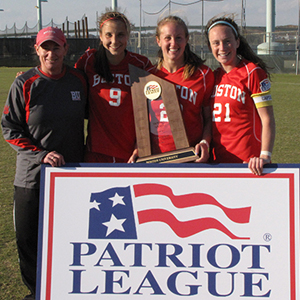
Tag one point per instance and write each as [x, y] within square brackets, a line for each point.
[134, 156]
[19, 73]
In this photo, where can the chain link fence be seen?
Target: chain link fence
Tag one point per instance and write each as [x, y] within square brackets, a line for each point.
[16, 45]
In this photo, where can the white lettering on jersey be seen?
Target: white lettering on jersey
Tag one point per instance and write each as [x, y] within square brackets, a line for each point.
[233, 92]
[227, 86]
[119, 79]
[187, 94]
[115, 94]
[163, 114]
[127, 80]
[96, 80]
[219, 90]
[230, 91]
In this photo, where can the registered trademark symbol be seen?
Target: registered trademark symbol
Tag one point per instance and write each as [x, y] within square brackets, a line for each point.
[267, 237]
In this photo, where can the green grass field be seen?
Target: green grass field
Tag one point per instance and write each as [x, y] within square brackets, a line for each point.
[286, 100]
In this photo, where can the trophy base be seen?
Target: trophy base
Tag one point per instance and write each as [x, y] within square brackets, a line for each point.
[177, 156]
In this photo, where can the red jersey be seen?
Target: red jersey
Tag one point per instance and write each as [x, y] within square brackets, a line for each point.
[111, 129]
[236, 124]
[193, 94]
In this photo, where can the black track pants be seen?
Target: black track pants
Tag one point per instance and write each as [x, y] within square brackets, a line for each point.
[26, 203]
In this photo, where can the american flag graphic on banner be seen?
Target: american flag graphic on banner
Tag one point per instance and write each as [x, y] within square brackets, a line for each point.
[112, 215]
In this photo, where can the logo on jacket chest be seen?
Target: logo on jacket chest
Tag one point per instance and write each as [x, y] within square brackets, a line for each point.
[75, 95]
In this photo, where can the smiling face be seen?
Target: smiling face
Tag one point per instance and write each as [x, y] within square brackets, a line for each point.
[172, 40]
[224, 44]
[114, 37]
[51, 57]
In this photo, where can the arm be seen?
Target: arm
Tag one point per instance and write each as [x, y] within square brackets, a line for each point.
[134, 156]
[203, 147]
[16, 131]
[266, 115]
[80, 63]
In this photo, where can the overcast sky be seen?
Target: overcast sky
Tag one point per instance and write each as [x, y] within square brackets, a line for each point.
[21, 11]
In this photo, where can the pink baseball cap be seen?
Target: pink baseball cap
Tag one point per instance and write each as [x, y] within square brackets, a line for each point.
[51, 34]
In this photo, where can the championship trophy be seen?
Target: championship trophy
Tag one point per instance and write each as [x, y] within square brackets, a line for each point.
[148, 87]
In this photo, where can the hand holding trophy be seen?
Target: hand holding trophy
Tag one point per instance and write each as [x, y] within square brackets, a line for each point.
[145, 88]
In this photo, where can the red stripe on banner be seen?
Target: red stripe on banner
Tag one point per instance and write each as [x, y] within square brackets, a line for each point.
[183, 229]
[292, 238]
[238, 215]
[50, 237]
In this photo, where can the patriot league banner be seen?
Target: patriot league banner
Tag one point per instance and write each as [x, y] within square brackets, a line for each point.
[183, 231]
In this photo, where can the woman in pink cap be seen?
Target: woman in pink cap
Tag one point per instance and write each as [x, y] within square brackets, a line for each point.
[43, 120]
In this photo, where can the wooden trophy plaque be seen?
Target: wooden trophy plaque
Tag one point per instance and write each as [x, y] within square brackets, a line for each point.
[141, 80]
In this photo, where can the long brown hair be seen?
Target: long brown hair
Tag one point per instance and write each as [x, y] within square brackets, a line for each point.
[191, 61]
[101, 61]
[244, 50]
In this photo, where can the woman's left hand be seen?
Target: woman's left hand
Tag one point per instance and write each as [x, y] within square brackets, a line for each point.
[256, 164]
[202, 148]
[54, 159]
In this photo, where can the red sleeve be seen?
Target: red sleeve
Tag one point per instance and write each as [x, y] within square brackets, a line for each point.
[259, 82]
[148, 65]
[83, 59]
[81, 62]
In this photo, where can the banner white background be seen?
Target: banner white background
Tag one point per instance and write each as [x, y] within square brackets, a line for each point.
[255, 258]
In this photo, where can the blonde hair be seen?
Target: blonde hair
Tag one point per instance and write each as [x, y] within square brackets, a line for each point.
[191, 61]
